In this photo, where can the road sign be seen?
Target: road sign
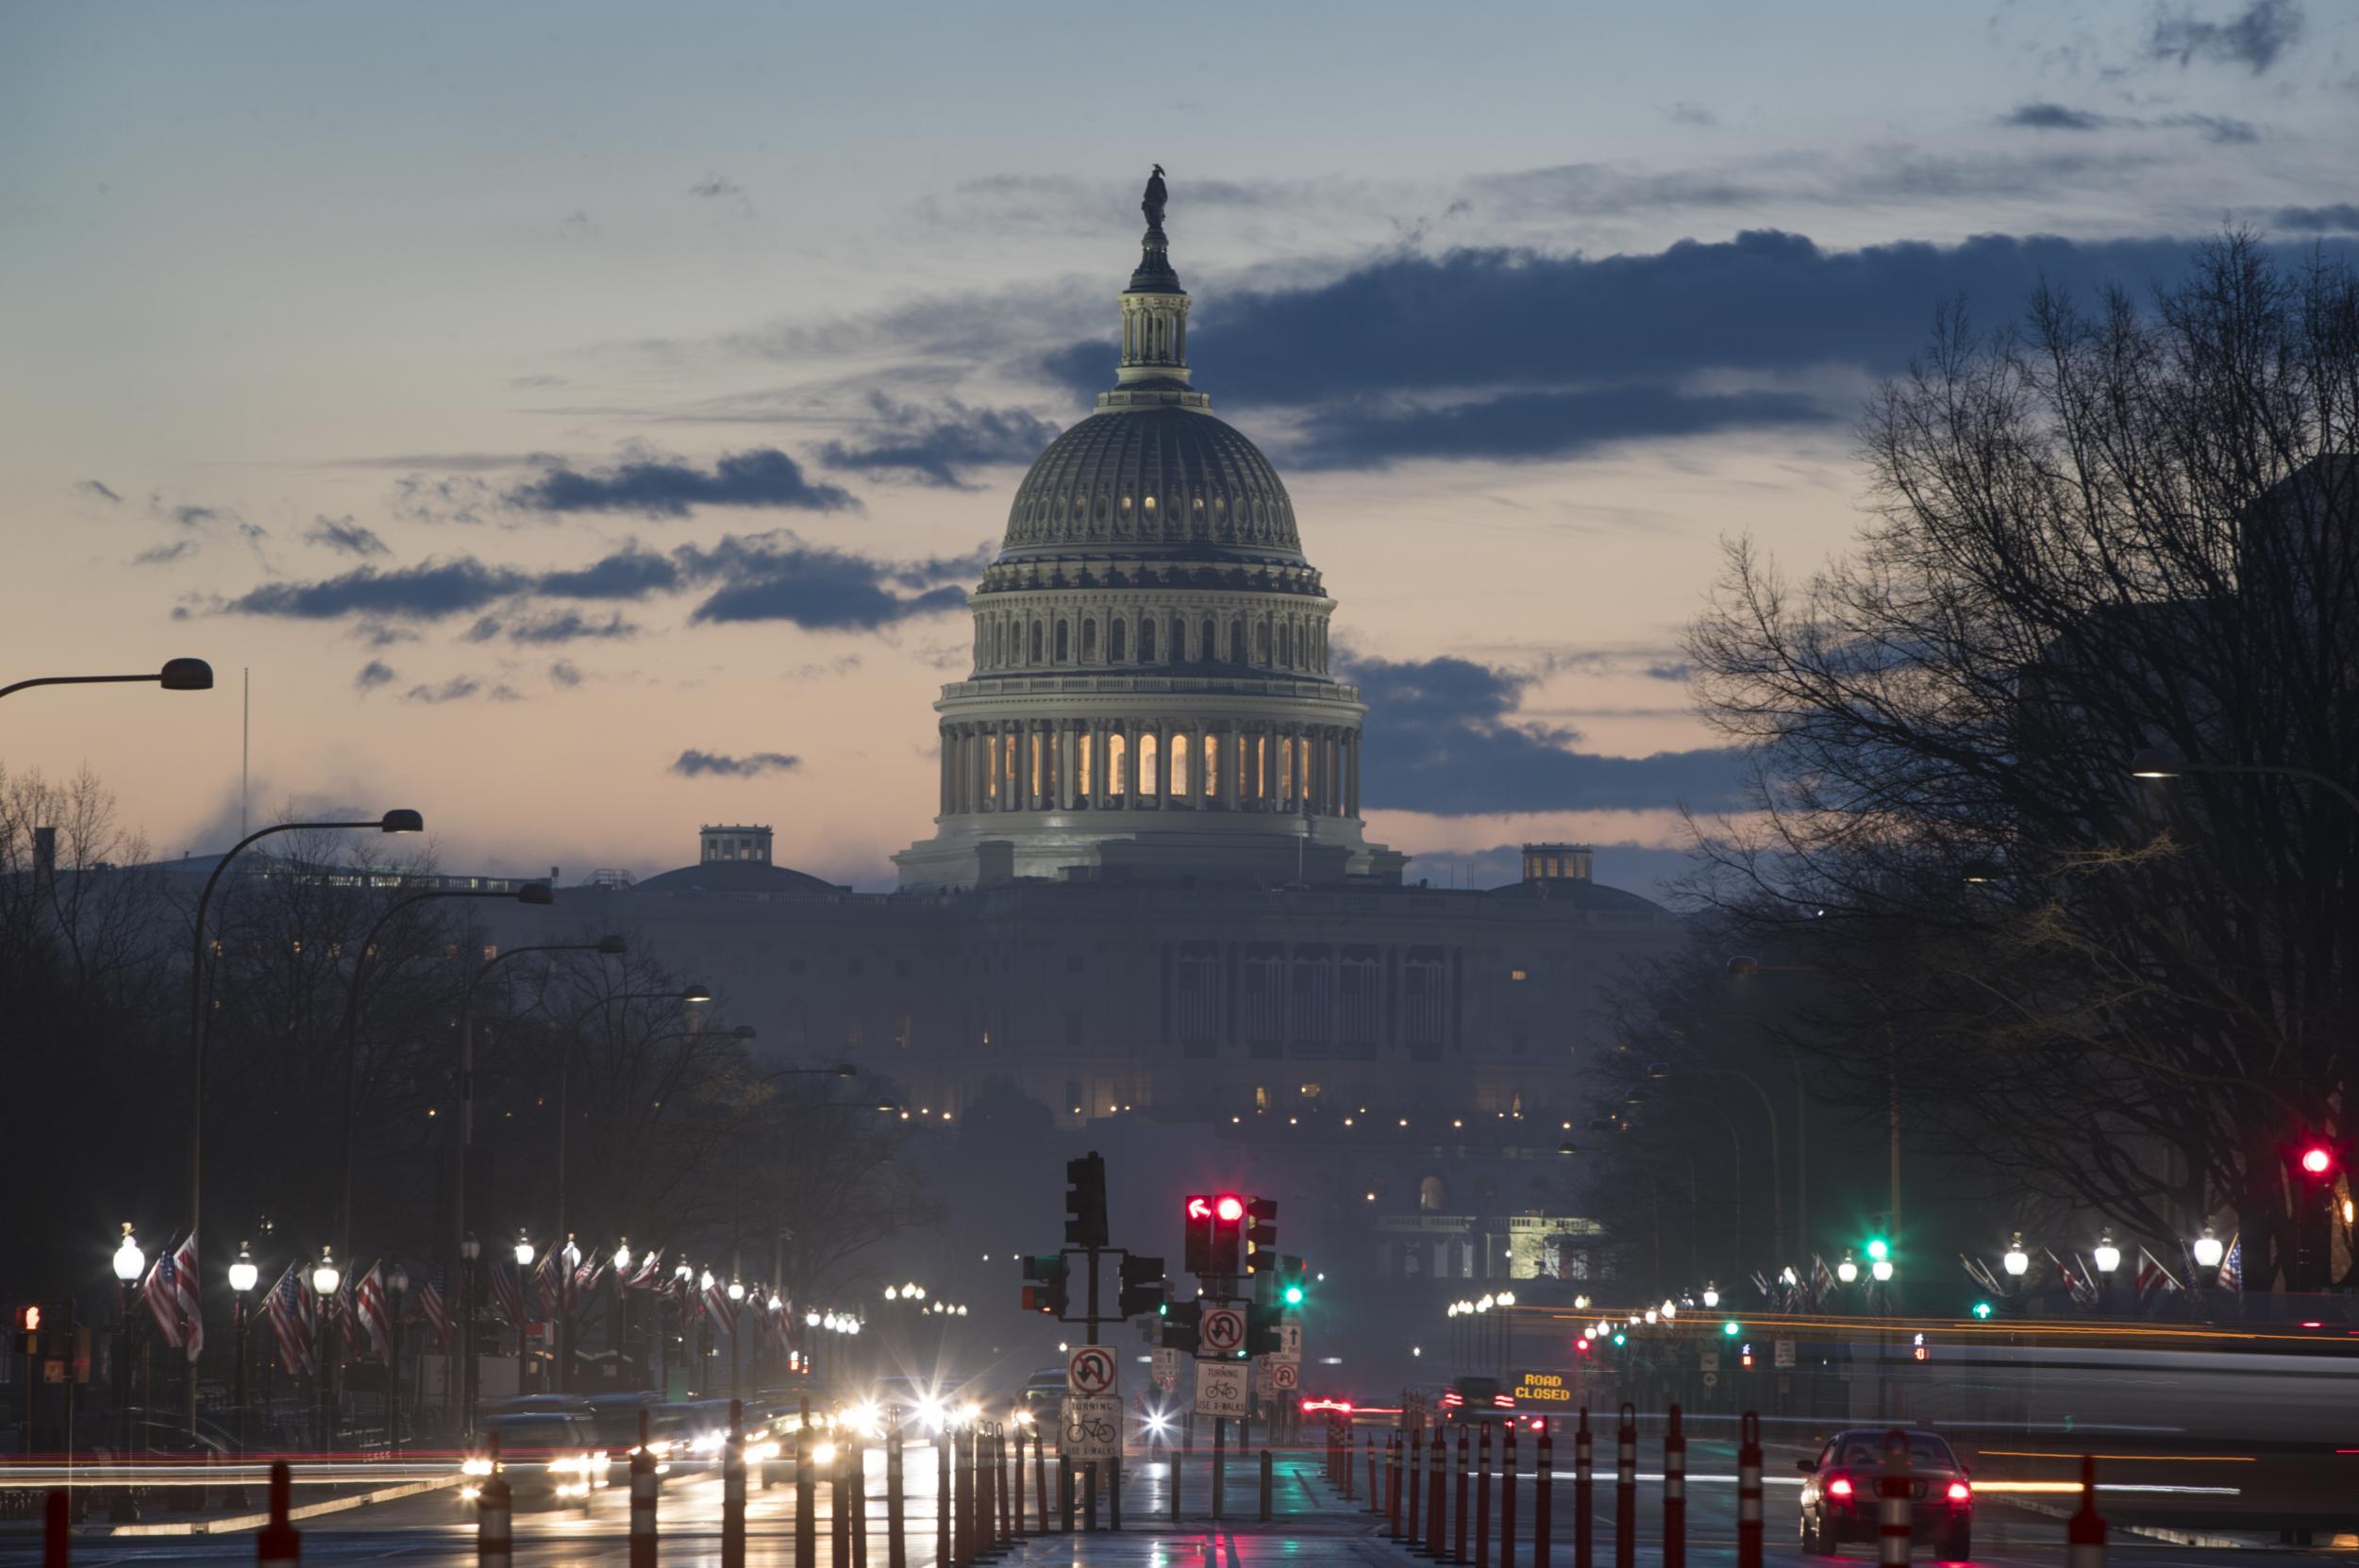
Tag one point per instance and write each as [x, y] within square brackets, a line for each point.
[1286, 1375]
[1222, 1330]
[1543, 1388]
[1219, 1387]
[1711, 1357]
[1091, 1427]
[1712, 1380]
[1782, 1353]
[1166, 1372]
[1264, 1380]
[1289, 1341]
[1089, 1372]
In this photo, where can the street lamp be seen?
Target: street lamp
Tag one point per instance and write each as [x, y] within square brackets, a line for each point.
[397, 821]
[243, 1276]
[1847, 1271]
[179, 675]
[1712, 1293]
[2209, 1250]
[524, 1250]
[470, 1254]
[129, 1261]
[1881, 1270]
[2108, 1255]
[398, 1283]
[326, 1277]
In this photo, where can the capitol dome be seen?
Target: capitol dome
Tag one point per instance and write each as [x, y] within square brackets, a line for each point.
[1151, 694]
[1163, 476]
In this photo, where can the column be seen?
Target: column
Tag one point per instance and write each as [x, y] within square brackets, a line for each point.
[1352, 777]
[1200, 778]
[1269, 767]
[942, 784]
[1068, 762]
[1229, 764]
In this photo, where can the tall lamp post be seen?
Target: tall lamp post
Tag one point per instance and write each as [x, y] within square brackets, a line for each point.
[399, 821]
[326, 1277]
[129, 1261]
[398, 1283]
[471, 1260]
[610, 946]
[2107, 1258]
[179, 675]
[243, 1276]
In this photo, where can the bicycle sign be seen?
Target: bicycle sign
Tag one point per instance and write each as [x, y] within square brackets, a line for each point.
[1090, 1372]
[1093, 1428]
[1222, 1329]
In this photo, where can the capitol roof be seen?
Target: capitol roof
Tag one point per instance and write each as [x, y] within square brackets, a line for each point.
[1162, 476]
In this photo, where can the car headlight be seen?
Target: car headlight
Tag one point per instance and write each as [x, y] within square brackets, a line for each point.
[476, 1467]
[661, 1448]
[823, 1453]
[469, 1494]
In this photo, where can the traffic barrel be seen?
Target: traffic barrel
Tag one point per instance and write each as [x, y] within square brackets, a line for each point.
[2085, 1532]
[1675, 1495]
[1437, 1496]
[1392, 1483]
[1584, 1475]
[806, 1488]
[279, 1540]
[1749, 1516]
[493, 1509]
[1626, 1488]
[1544, 1496]
[1415, 1468]
[896, 1500]
[642, 1501]
[1892, 1503]
[733, 1490]
[1458, 1551]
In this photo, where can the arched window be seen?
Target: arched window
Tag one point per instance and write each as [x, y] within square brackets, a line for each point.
[1147, 640]
[1178, 641]
[1286, 643]
[1261, 643]
[1084, 775]
[1149, 775]
[1036, 640]
[1065, 642]
[1287, 771]
[1210, 768]
[1115, 747]
[1116, 640]
[1208, 640]
[1430, 1195]
[1180, 767]
[1089, 642]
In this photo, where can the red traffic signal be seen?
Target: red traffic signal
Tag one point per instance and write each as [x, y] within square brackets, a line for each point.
[1228, 1208]
[2317, 1160]
[29, 1319]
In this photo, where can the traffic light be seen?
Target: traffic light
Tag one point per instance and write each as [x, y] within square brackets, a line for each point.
[1144, 1289]
[1982, 1308]
[1732, 1328]
[1228, 1233]
[1916, 1349]
[1260, 1233]
[1180, 1324]
[1745, 1355]
[1085, 1201]
[1050, 1270]
[28, 1329]
[1197, 1210]
[1294, 1282]
[1262, 1337]
[1877, 1248]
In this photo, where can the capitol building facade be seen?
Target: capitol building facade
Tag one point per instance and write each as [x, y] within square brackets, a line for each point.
[1147, 895]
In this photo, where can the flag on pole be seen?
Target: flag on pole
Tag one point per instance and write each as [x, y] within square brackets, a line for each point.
[719, 1308]
[434, 1306]
[2081, 1290]
[2153, 1280]
[779, 1321]
[508, 1297]
[163, 1296]
[547, 1292]
[187, 1285]
[290, 1321]
[648, 1275]
[587, 1277]
[369, 1307]
[2230, 1267]
[1821, 1282]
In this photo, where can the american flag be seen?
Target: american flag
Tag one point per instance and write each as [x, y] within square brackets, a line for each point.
[779, 1323]
[587, 1277]
[547, 1284]
[2153, 1280]
[434, 1306]
[2230, 1267]
[719, 1308]
[291, 1320]
[368, 1303]
[1821, 1282]
[649, 1274]
[508, 1296]
[163, 1295]
[186, 1281]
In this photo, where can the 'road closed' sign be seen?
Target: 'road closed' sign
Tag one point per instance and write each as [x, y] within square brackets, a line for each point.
[1543, 1388]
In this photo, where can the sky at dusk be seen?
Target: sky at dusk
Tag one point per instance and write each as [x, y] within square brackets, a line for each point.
[585, 421]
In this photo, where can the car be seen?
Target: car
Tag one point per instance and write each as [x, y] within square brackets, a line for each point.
[1043, 1397]
[1841, 1486]
[1476, 1402]
[548, 1458]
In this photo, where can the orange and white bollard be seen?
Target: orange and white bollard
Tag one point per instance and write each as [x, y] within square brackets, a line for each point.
[2084, 1533]
[1584, 1481]
[1544, 1496]
[733, 1490]
[1626, 1488]
[1892, 1507]
[642, 1501]
[1675, 1495]
[493, 1511]
[1748, 1512]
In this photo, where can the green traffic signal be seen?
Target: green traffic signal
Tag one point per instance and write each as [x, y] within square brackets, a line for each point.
[1982, 1308]
[1879, 1248]
[1732, 1328]
[1621, 1339]
[1294, 1296]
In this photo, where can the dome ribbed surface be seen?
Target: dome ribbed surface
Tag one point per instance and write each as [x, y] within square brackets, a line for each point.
[1160, 478]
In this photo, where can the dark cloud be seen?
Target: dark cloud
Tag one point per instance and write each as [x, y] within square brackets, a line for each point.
[937, 445]
[698, 765]
[95, 487]
[1691, 114]
[1618, 341]
[1442, 738]
[199, 517]
[345, 536]
[2340, 215]
[561, 625]
[2255, 38]
[565, 673]
[160, 554]
[2054, 117]
[630, 573]
[428, 591]
[457, 689]
[763, 476]
[714, 187]
[449, 498]
[1534, 424]
[375, 673]
[779, 577]
[1679, 672]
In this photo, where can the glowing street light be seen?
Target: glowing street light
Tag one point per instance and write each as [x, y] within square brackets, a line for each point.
[2209, 1250]
[524, 1250]
[2017, 1261]
[1848, 1271]
[2108, 1256]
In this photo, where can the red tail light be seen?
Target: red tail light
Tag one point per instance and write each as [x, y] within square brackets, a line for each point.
[1959, 1492]
[1839, 1486]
